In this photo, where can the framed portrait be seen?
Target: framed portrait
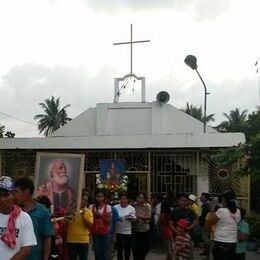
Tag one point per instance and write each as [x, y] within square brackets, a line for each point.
[112, 171]
[59, 176]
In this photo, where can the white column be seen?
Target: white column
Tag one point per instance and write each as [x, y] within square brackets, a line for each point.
[143, 90]
[202, 184]
[202, 175]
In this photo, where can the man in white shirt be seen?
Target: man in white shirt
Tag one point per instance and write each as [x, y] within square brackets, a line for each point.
[15, 240]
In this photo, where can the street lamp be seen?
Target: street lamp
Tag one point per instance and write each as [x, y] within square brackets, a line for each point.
[191, 61]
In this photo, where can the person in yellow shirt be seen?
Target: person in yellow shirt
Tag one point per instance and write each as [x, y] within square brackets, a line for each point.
[193, 205]
[195, 208]
[78, 232]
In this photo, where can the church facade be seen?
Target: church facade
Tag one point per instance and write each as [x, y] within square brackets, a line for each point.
[163, 149]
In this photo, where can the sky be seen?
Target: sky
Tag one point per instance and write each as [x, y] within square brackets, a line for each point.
[65, 48]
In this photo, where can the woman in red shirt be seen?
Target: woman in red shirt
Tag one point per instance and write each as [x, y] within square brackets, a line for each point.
[100, 229]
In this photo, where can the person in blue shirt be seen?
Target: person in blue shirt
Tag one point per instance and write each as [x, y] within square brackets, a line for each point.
[112, 228]
[40, 216]
[243, 233]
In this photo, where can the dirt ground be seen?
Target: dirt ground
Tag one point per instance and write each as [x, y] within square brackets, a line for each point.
[156, 256]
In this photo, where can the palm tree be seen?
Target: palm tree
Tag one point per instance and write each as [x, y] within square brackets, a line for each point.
[236, 121]
[196, 112]
[2, 130]
[53, 118]
[9, 134]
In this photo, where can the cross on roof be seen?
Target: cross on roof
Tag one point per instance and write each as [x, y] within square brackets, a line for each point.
[131, 47]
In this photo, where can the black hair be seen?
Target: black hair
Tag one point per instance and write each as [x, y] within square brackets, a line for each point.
[158, 196]
[232, 206]
[101, 191]
[242, 212]
[206, 195]
[122, 194]
[98, 191]
[44, 201]
[182, 195]
[89, 194]
[87, 199]
[25, 183]
[170, 194]
[230, 198]
[216, 208]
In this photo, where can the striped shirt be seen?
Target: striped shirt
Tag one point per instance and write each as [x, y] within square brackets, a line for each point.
[183, 246]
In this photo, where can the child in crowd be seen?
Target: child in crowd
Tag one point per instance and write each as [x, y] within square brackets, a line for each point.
[243, 233]
[183, 244]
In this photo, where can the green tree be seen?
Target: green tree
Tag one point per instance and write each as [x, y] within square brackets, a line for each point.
[236, 121]
[247, 154]
[53, 118]
[196, 112]
[9, 134]
[2, 130]
[253, 124]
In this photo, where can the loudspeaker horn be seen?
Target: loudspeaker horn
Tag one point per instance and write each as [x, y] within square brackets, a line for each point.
[163, 97]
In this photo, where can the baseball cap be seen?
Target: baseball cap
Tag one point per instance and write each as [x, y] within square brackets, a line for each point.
[6, 183]
[193, 197]
[183, 223]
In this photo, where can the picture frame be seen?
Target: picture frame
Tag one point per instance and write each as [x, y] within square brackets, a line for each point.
[59, 176]
[112, 170]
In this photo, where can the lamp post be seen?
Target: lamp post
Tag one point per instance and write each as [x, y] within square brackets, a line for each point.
[191, 61]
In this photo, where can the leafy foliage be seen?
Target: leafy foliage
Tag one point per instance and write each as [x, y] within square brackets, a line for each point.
[254, 224]
[248, 154]
[2, 130]
[236, 121]
[197, 113]
[53, 118]
[253, 124]
[8, 134]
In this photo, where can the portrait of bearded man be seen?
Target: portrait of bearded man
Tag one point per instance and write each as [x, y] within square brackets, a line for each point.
[57, 189]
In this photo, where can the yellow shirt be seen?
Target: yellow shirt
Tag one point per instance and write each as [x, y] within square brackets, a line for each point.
[77, 231]
[195, 209]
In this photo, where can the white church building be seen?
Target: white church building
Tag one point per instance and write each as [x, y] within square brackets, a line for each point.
[163, 147]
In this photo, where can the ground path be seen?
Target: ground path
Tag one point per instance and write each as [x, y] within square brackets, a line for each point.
[156, 256]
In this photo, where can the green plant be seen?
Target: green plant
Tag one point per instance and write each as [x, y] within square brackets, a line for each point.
[254, 224]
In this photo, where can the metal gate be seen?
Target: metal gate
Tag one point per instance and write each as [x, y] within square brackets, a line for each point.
[174, 171]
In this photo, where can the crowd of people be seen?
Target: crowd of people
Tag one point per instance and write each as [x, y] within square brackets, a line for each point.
[218, 223]
[119, 227]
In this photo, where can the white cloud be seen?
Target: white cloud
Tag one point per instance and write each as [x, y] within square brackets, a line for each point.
[203, 9]
[138, 5]
[65, 48]
[27, 85]
[209, 10]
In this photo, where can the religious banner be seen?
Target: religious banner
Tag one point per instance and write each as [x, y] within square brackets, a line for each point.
[59, 177]
[112, 176]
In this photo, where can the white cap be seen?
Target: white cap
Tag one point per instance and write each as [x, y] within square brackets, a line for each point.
[192, 197]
